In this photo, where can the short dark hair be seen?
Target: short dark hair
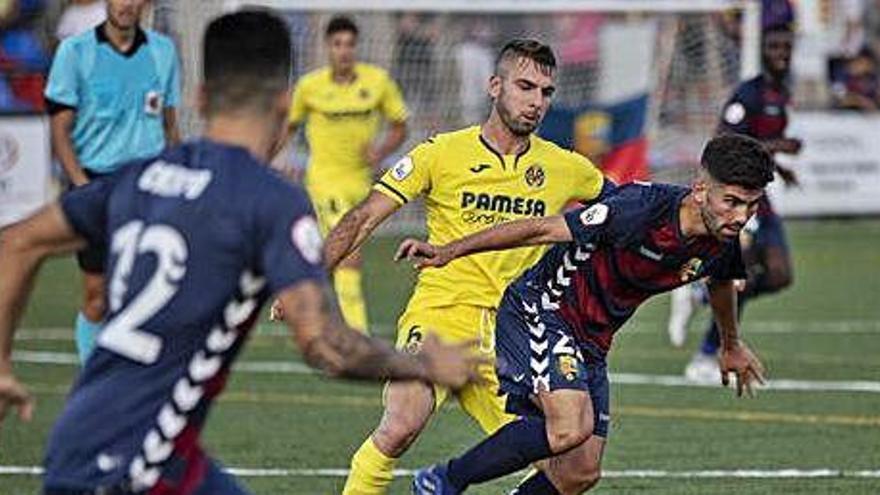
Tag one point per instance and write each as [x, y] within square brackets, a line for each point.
[338, 24]
[734, 159]
[534, 50]
[247, 60]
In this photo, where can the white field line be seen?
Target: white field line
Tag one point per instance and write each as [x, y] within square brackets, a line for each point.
[623, 474]
[294, 367]
[767, 327]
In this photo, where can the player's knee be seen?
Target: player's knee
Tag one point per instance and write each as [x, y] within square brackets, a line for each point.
[564, 438]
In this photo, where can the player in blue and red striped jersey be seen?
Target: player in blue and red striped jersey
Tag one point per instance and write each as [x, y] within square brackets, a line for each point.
[557, 321]
[758, 108]
[198, 238]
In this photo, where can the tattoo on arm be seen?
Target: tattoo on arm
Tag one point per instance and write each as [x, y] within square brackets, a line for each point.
[329, 345]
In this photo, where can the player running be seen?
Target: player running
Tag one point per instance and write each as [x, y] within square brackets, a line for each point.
[556, 322]
[342, 106]
[758, 108]
[470, 179]
[198, 238]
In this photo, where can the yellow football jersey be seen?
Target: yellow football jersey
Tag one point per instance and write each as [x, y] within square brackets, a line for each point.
[341, 121]
[467, 187]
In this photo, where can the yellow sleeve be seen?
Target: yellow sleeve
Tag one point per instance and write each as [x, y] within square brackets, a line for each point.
[298, 107]
[588, 179]
[393, 106]
[411, 175]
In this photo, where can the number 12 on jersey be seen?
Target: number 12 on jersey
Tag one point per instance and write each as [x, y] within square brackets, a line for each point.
[122, 334]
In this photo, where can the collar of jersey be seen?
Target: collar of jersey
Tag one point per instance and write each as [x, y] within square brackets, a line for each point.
[498, 154]
[140, 38]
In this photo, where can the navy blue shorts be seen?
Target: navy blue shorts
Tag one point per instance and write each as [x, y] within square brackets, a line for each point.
[535, 350]
[91, 259]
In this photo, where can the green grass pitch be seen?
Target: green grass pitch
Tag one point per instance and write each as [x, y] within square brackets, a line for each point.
[826, 328]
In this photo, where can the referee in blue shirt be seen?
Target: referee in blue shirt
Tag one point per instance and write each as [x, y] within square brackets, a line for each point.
[112, 93]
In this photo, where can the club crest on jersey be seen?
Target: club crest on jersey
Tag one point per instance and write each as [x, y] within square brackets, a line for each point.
[568, 366]
[306, 239]
[402, 169]
[691, 269]
[535, 176]
[594, 215]
[153, 103]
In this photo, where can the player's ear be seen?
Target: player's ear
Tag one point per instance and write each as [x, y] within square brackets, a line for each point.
[283, 99]
[494, 86]
[700, 187]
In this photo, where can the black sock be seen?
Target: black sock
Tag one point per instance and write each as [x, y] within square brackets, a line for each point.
[537, 484]
[511, 448]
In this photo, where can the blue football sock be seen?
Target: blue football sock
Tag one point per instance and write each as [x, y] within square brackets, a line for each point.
[537, 484]
[511, 448]
[85, 336]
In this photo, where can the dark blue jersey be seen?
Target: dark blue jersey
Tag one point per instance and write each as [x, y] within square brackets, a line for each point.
[197, 239]
[758, 109]
[626, 248]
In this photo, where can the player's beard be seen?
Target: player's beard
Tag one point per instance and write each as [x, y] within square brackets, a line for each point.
[517, 128]
[713, 224]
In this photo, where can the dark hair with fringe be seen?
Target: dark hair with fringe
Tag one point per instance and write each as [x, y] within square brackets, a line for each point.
[534, 50]
[735, 159]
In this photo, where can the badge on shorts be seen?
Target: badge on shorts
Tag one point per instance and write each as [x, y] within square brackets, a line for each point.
[691, 269]
[568, 367]
[153, 103]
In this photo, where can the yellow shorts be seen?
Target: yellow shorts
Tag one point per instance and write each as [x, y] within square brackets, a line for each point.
[460, 323]
[330, 205]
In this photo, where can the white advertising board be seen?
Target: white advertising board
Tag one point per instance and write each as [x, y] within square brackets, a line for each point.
[838, 167]
[25, 160]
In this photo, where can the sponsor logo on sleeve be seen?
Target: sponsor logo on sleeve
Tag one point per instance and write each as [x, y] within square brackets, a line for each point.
[402, 169]
[734, 113]
[594, 215]
[306, 239]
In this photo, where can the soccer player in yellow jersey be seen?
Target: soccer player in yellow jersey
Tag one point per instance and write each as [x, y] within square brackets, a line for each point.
[342, 106]
[470, 179]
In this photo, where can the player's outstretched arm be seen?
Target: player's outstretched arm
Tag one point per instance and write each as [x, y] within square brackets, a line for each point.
[23, 246]
[352, 230]
[355, 227]
[736, 357]
[527, 232]
[327, 344]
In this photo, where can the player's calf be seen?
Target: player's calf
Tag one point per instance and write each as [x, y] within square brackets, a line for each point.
[408, 406]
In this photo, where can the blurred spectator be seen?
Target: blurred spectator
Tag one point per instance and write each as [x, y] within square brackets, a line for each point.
[853, 29]
[23, 58]
[80, 16]
[414, 63]
[475, 59]
[775, 13]
[855, 82]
